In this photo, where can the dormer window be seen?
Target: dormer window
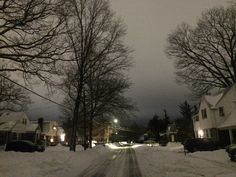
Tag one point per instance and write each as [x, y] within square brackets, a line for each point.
[221, 111]
[204, 113]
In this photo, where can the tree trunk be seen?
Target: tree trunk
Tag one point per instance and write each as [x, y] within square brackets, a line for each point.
[85, 134]
[74, 126]
[85, 122]
[90, 132]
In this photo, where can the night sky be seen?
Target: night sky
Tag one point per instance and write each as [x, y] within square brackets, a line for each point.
[148, 24]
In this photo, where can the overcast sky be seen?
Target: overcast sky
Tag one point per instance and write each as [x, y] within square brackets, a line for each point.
[148, 24]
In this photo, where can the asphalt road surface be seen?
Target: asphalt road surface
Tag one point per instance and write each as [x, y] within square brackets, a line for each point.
[118, 163]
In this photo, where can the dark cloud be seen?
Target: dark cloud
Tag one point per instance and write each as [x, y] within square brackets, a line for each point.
[149, 22]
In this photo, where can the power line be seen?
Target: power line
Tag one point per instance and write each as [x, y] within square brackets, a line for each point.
[35, 93]
[41, 96]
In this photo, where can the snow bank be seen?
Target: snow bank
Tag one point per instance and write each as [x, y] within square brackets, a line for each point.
[169, 162]
[120, 146]
[54, 162]
[175, 147]
[217, 156]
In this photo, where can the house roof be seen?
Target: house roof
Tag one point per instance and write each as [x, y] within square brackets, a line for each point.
[230, 120]
[6, 126]
[32, 127]
[214, 99]
[12, 116]
[9, 119]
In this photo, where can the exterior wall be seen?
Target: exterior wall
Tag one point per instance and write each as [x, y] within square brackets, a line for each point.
[48, 129]
[196, 124]
[214, 119]
[227, 103]
[204, 124]
[51, 132]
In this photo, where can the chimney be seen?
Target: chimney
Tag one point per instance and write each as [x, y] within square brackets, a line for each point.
[40, 123]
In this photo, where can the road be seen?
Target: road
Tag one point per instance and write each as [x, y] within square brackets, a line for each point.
[118, 163]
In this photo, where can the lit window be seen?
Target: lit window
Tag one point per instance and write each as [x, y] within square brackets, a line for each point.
[221, 111]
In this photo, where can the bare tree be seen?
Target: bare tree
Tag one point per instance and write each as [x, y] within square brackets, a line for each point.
[95, 37]
[205, 55]
[29, 32]
[101, 95]
[105, 96]
[12, 97]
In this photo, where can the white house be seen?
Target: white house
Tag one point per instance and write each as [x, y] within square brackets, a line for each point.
[16, 126]
[51, 131]
[216, 117]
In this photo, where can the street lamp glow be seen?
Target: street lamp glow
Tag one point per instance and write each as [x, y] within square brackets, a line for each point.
[115, 121]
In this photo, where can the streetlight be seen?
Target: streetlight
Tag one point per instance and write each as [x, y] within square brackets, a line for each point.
[115, 121]
[115, 129]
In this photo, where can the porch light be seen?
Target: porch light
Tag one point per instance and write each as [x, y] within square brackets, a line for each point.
[51, 140]
[200, 133]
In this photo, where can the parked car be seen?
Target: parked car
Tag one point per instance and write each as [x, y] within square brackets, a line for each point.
[231, 149]
[23, 146]
[201, 144]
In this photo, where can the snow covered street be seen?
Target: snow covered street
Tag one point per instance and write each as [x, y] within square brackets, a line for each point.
[119, 163]
[113, 161]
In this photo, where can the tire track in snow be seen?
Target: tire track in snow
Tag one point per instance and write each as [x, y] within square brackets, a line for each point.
[133, 167]
[120, 163]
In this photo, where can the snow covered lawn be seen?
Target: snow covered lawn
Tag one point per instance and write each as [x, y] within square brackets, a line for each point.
[54, 162]
[170, 161]
[156, 161]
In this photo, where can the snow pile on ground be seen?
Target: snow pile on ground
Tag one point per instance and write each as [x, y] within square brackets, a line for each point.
[176, 147]
[217, 156]
[54, 162]
[158, 161]
[61, 148]
[121, 146]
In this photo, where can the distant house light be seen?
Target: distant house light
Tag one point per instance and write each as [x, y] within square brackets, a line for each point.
[63, 137]
[51, 140]
[200, 133]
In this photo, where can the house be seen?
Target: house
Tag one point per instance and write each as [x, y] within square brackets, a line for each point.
[51, 131]
[171, 132]
[16, 126]
[216, 117]
[103, 133]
